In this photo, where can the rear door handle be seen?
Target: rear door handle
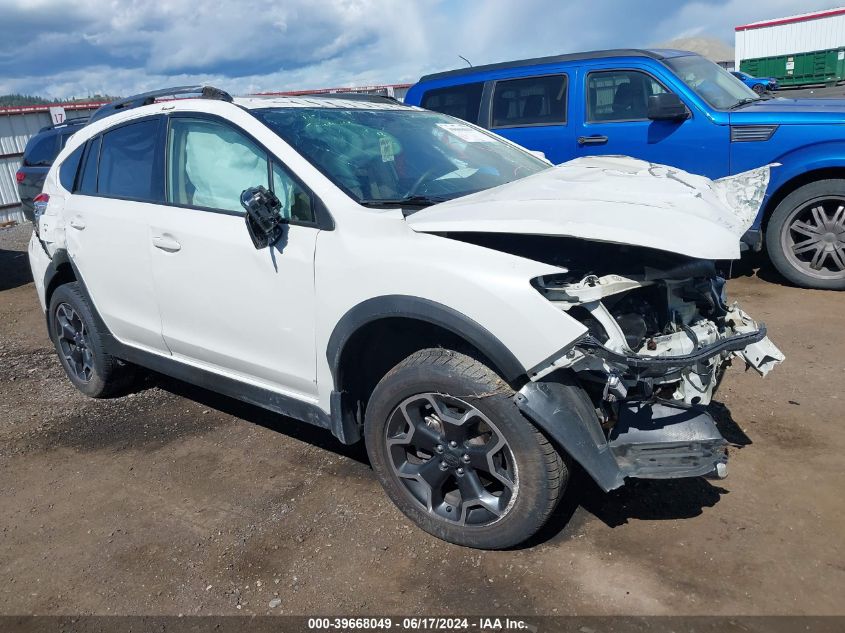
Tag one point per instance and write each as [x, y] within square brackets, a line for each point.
[166, 243]
[77, 222]
[592, 140]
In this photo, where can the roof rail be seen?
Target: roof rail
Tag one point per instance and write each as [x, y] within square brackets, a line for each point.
[147, 98]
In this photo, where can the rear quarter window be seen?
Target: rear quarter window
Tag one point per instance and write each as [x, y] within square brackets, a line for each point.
[88, 178]
[69, 167]
[463, 102]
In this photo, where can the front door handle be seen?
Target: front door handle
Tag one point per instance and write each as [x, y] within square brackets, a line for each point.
[77, 222]
[167, 243]
[592, 140]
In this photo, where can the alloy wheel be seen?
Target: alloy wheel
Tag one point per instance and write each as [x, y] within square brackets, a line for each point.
[73, 342]
[451, 459]
[814, 238]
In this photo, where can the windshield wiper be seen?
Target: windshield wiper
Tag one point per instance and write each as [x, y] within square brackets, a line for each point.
[409, 201]
[743, 102]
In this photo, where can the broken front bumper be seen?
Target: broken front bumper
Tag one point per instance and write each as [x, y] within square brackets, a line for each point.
[656, 440]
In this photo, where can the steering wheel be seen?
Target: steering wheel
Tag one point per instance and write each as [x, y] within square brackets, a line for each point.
[419, 181]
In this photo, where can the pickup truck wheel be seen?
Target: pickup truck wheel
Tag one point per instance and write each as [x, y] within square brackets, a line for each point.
[455, 454]
[80, 346]
[805, 236]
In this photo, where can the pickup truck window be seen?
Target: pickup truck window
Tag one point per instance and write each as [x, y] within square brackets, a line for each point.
[530, 101]
[462, 101]
[620, 95]
[711, 82]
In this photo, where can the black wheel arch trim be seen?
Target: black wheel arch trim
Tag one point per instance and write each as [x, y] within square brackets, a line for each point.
[560, 407]
[406, 306]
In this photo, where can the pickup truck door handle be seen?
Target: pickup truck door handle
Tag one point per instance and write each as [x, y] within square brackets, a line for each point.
[77, 222]
[166, 243]
[592, 140]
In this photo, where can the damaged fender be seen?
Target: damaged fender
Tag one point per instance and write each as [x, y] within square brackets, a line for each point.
[654, 440]
[564, 412]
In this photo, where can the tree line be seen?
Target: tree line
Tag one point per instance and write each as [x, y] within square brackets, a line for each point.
[15, 100]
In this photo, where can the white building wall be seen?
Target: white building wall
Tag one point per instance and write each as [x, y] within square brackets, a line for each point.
[795, 37]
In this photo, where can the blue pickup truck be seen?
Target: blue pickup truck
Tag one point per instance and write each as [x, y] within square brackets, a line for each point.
[676, 108]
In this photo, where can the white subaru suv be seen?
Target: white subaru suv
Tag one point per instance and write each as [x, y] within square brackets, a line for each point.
[483, 320]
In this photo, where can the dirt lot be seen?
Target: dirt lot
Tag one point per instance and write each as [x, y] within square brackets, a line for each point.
[174, 500]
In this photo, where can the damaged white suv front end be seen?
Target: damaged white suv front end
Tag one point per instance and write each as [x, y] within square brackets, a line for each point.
[637, 245]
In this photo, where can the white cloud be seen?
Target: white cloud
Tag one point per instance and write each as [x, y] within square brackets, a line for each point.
[124, 46]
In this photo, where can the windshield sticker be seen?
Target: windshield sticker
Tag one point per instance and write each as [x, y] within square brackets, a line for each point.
[466, 133]
[386, 147]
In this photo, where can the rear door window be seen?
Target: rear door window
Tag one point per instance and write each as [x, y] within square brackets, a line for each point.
[530, 101]
[128, 160]
[42, 152]
[620, 95]
[463, 102]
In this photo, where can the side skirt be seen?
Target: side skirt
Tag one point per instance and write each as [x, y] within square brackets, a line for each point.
[344, 429]
[205, 379]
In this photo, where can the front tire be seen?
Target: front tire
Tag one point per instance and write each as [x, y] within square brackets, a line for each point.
[456, 456]
[79, 344]
[805, 237]
[760, 89]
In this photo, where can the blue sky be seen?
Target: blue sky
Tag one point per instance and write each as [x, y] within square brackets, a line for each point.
[63, 48]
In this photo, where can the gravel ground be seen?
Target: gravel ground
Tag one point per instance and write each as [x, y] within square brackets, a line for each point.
[173, 500]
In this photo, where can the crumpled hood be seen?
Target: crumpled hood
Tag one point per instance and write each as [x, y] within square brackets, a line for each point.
[613, 199]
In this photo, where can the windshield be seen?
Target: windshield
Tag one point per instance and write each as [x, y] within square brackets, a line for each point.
[391, 156]
[711, 82]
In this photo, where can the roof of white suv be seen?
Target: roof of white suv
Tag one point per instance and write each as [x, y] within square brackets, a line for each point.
[321, 101]
[210, 93]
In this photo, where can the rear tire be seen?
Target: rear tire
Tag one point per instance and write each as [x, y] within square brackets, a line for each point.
[456, 456]
[79, 344]
[805, 236]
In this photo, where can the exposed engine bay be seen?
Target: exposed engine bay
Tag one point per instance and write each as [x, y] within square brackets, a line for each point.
[660, 334]
[659, 325]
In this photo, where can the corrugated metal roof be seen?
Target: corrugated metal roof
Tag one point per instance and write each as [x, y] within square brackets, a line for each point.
[790, 19]
[87, 105]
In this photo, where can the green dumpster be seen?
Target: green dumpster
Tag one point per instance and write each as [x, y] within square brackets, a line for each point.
[800, 69]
